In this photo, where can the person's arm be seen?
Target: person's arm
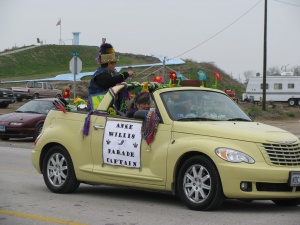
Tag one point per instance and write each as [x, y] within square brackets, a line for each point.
[130, 113]
[105, 80]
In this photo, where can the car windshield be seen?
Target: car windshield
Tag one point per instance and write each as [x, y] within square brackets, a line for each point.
[201, 105]
[36, 106]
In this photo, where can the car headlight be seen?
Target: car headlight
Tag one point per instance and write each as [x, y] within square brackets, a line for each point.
[234, 156]
[16, 123]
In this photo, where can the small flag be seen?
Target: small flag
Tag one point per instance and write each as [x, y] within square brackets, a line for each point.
[58, 23]
[217, 76]
[202, 75]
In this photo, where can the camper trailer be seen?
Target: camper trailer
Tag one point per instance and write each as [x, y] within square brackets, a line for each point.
[284, 88]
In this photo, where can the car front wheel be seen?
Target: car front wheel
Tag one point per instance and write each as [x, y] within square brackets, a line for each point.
[37, 130]
[4, 138]
[4, 105]
[58, 171]
[35, 96]
[199, 185]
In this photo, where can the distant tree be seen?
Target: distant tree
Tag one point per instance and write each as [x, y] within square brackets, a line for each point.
[248, 74]
[296, 70]
[274, 70]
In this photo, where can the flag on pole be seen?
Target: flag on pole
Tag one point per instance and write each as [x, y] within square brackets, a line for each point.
[58, 23]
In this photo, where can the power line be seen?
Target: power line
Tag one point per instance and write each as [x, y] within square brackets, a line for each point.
[287, 3]
[220, 30]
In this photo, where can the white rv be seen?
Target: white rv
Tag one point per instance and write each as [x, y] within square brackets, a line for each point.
[284, 88]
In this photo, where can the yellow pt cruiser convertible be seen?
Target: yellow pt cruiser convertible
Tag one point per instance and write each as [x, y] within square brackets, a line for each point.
[193, 142]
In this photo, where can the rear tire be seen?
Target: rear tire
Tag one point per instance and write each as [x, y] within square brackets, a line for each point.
[58, 171]
[291, 102]
[199, 185]
[287, 202]
[35, 96]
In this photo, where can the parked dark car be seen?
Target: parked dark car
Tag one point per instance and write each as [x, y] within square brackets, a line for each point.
[6, 97]
[26, 121]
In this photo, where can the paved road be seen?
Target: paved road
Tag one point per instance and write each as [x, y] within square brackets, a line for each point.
[24, 199]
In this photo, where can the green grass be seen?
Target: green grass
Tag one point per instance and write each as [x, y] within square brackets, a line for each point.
[50, 60]
[289, 114]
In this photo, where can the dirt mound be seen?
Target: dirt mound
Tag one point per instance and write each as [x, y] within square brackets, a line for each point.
[274, 111]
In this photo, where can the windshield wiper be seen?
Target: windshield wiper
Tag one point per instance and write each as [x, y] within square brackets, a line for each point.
[239, 119]
[31, 112]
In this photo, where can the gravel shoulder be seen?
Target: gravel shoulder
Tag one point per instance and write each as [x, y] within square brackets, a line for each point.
[292, 126]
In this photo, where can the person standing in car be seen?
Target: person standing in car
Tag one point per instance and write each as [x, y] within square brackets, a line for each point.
[106, 75]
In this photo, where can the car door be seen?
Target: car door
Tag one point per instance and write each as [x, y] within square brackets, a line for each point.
[50, 93]
[42, 89]
[142, 164]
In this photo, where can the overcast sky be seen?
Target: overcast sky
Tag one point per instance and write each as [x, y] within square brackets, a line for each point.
[227, 32]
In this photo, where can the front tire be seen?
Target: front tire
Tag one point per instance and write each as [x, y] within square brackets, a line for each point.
[38, 130]
[35, 96]
[4, 138]
[4, 105]
[199, 185]
[58, 171]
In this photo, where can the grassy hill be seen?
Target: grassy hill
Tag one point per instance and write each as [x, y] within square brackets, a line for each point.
[50, 60]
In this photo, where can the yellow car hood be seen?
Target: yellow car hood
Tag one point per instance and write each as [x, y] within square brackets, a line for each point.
[244, 131]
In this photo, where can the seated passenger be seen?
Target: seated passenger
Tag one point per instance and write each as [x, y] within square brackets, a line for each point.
[183, 108]
[142, 101]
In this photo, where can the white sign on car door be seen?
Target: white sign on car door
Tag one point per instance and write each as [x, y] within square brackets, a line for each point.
[122, 144]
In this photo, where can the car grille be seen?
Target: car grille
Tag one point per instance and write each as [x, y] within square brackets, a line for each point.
[10, 94]
[281, 154]
[6, 94]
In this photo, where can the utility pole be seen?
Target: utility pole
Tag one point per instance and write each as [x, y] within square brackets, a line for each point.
[265, 60]
[164, 78]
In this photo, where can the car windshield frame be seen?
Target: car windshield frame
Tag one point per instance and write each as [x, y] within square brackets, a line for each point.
[202, 105]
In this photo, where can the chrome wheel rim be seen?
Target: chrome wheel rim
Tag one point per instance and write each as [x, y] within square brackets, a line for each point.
[57, 169]
[197, 183]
